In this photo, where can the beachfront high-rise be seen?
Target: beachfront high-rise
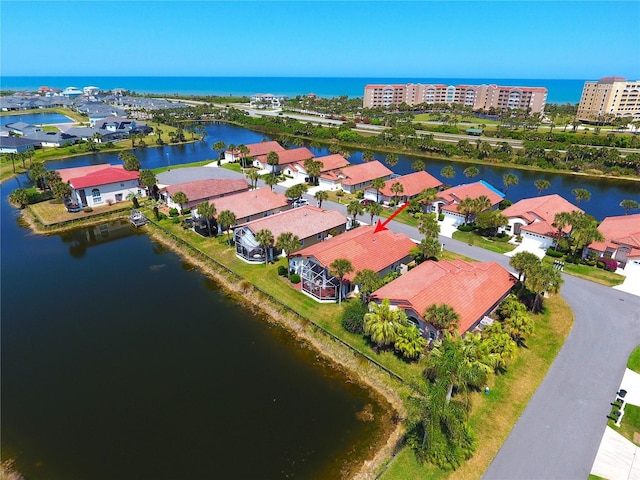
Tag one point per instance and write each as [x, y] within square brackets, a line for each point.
[478, 97]
[608, 98]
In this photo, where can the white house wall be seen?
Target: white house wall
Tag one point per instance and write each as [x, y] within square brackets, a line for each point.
[110, 192]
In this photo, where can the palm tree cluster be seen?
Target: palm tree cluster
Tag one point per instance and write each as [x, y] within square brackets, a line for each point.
[583, 232]
[389, 327]
[537, 276]
[469, 207]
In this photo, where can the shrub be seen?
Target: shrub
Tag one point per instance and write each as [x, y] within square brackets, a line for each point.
[282, 270]
[504, 204]
[173, 212]
[554, 254]
[466, 228]
[441, 216]
[175, 220]
[186, 211]
[360, 194]
[609, 264]
[353, 317]
[88, 209]
[295, 278]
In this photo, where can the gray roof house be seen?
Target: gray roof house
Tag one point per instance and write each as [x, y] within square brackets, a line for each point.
[51, 139]
[22, 128]
[15, 145]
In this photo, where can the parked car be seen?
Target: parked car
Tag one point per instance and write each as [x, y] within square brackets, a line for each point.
[301, 202]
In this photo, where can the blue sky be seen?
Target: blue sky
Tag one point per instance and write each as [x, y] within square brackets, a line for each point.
[475, 39]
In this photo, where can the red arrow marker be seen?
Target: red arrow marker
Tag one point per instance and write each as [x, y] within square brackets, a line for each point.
[383, 226]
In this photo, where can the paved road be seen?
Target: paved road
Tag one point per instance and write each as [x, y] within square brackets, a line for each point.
[558, 434]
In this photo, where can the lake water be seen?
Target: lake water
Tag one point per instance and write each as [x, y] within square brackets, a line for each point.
[35, 118]
[606, 194]
[122, 361]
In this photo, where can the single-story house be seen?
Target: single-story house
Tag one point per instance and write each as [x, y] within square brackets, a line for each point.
[52, 139]
[199, 191]
[382, 252]
[310, 224]
[355, 177]
[16, 144]
[116, 124]
[256, 151]
[96, 185]
[533, 219]
[251, 205]
[448, 200]
[472, 289]
[413, 184]
[22, 128]
[622, 241]
[329, 163]
[285, 158]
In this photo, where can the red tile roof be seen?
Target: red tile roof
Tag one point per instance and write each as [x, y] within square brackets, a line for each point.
[304, 222]
[262, 148]
[540, 208]
[99, 176]
[362, 248]
[364, 172]
[331, 162]
[470, 190]
[67, 174]
[253, 202]
[294, 155]
[413, 184]
[209, 188]
[622, 230]
[471, 289]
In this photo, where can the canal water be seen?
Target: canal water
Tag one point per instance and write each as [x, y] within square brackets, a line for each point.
[120, 360]
[606, 194]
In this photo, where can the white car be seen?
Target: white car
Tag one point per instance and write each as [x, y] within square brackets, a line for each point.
[301, 202]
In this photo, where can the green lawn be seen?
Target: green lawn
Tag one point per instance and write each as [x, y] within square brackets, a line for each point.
[634, 360]
[598, 275]
[182, 165]
[495, 245]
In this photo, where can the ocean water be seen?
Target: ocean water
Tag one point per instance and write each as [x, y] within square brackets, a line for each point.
[560, 91]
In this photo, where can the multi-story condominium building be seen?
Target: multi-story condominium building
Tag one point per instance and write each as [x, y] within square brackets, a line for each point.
[608, 98]
[478, 97]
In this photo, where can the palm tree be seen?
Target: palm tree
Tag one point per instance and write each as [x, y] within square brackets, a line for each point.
[418, 165]
[482, 203]
[509, 179]
[560, 221]
[339, 268]
[628, 205]
[272, 159]
[354, 209]
[219, 147]
[543, 278]
[519, 325]
[296, 191]
[232, 148]
[373, 208]
[391, 159]
[467, 207]
[382, 323]
[227, 219]
[442, 317]
[428, 248]
[288, 242]
[409, 342]
[19, 196]
[397, 189]
[448, 172]
[471, 172]
[541, 185]
[429, 226]
[264, 238]
[368, 281]
[253, 177]
[313, 168]
[271, 180]
[367, 156]
[499, 345]
[321, 196]
[581, 194]
[180, 198]
[428, 196]
[149, 181]
[207, 211]
[378, 184]
[523, 262]
[243, 150]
